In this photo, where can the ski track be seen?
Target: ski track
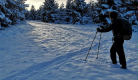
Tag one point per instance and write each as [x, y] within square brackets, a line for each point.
[47, 51]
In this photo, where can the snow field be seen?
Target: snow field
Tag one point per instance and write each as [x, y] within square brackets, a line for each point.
[34, 50]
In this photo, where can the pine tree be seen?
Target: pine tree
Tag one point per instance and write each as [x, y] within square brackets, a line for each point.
[27, 14]
[80, 10]
[91, 6]
[3, 10]
[62, 6]
[39, 13]
[69, 11]
[90, 9]
[21, 9]
[48, 10]
[62, 15]
[6, 12]
[69, 4]
[33, 12]
[56, 5]
[11, 11]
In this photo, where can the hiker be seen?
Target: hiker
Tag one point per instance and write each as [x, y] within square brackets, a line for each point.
[118, 39]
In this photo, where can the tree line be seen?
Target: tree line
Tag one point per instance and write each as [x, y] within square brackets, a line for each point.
[12, 12]
[77, 11]
[74, 11]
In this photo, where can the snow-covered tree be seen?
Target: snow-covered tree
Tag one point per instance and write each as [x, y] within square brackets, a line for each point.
[20, 9]
[33, 12]
[11, 11]
[126, 10]
[69, 4]
[69, 11]
[80, 9]
[4, 20]
[56, 5]
[62, 6]
[49, 10]
[27, 14]
[39, 13]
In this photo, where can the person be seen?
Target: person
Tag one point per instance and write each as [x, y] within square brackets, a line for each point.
[117, 46]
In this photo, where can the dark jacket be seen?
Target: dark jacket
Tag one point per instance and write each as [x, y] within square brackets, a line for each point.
[116, 27]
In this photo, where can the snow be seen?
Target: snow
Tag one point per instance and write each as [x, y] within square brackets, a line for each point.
[109, 10]
[108, 21]
[34, 50]
[105, 6]
[118, 2]
[8, 20]
[2, 2]
[136, 22]
[2, 16]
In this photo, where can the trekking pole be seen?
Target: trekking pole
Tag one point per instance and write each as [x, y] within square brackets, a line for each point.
[99, 46]
[91, 45]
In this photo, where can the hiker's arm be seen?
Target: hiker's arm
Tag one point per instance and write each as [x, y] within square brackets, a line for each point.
[105, 29]
[111, 27]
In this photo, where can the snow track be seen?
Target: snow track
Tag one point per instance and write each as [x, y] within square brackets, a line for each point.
[34, 50]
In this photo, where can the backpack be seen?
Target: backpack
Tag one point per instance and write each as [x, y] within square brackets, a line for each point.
[127, 30]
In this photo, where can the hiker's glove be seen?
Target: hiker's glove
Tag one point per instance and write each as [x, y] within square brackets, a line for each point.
[98, 29]
[102, 27]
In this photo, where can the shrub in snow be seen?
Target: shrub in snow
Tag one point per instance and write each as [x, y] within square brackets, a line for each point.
[76, 17]
[53, 17]
[84, 20]
[96, 19]
[5, 22]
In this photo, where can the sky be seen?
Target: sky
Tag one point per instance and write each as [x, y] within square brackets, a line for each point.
[37, 3]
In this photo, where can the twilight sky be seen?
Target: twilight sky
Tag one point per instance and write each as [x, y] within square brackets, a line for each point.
[37, 3]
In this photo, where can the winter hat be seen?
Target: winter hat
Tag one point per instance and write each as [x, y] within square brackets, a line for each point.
[113, 14]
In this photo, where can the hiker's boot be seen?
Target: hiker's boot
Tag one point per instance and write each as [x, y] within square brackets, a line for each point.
[123, 67]
[114, 62]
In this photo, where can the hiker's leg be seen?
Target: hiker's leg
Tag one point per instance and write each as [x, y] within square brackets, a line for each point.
[113, 54]
[120, 51]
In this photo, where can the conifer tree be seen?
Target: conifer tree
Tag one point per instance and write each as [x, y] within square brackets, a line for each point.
[56, 5]
[48, 10]
[80, 10]
[69, 4]
[33, 12]
[69, 11]
[20, 9]
[11, 11]
[3, 11]
[62, 6]
[39, 13]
